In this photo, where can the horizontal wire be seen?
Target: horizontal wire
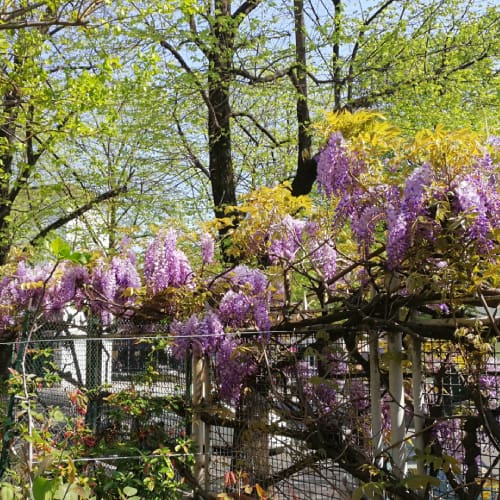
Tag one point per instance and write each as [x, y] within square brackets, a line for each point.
[133, 457]
[148, 337]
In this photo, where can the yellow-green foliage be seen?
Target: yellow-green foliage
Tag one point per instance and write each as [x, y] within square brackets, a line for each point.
[261, 209]
[370, 136]
[368, 133]
[364, 129]
[449, 153]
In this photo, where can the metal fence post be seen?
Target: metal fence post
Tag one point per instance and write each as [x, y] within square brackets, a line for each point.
[199, 431]
[376, 405]
[397, 405]
[418, 415]
[93, 368]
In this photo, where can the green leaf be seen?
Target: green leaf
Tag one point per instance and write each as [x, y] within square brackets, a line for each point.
[60, 248]
[421, 481]
[58, 415]
[80, 258]
[316, 380]
[7, 492]
[128, 491]
[44, 489]
[72, 492]
[357, 494]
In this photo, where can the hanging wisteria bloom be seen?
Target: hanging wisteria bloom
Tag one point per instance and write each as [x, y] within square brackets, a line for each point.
[31, 283]
[469, 202]
[401, 219]
[11, 297]
[494, 141]
[164, 265]
[340, 174]
[201, 336]
[46, 289]
[186, 336]
[234, 308]
[205, 336]
[247, 302]
[324, 259]
[448, 434]
[102, 290]
[285, 239]
[364, 222]
[415, 190]
[125, 272]
[207, 248]
[110, 283]
[398, 241]
[65, 287]
[476, 200]
[321, 251]
[335, 169]
[234, 365]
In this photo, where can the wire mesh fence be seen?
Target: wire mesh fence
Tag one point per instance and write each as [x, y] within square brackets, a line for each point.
[297, 424]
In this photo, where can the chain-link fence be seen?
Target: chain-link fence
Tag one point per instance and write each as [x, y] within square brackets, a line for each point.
[311, 402]
[299, 423]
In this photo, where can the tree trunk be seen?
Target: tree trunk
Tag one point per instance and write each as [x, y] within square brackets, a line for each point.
[4, 244]
[306, 166]
[220, 59]
[336, 62]
[9, 110]
[219, 137]
[251, 440]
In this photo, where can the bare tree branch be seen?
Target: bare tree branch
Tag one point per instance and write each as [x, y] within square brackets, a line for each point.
[185, 66]
[192, 155]
[17, 19]
[41, 24]
[361, 35]
[245, 8]
[259, 126]
[80, 211]
[263, 79]
[22, 11]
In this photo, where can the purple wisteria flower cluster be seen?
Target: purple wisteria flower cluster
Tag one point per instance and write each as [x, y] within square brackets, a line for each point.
[448, 432]
[474, 210]
[412, 213]
[286, 239]
[199, 335]
[233, 367]
[164, 265]
[324, 259]
[245, 304]
[402, 216]
[45, 289]
[294, 240]
[207, 248]
[337, 172]
[205, 335]
[105, 287]
[339, 175]
[475, 196]
[108, 285]
[247, 301]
